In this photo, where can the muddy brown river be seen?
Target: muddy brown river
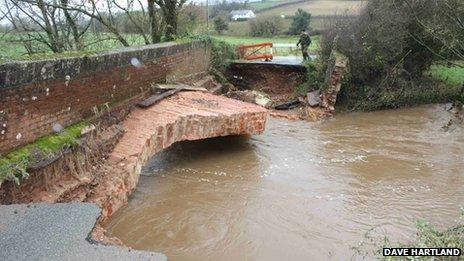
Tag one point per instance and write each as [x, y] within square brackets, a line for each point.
[300, 191]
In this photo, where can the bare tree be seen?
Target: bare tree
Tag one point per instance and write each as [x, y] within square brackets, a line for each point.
[129, 13]
[170, 9]
[154, 23]
[61, 25]
[445, 25]
[35, 20]
[46, 23]
[70, 20]
[91, 9]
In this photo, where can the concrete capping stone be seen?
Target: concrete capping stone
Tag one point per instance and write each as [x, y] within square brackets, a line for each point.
[18, 73]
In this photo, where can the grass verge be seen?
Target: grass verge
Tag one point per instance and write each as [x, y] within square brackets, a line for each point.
[441, 83]
[13, 166]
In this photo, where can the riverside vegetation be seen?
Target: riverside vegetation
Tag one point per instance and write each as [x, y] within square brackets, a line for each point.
[399, 54]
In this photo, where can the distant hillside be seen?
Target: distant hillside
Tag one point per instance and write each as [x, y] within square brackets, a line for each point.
[273, 4]
[317, 8]
[323, 12]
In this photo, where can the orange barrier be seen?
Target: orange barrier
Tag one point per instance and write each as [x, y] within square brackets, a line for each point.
[255, 51]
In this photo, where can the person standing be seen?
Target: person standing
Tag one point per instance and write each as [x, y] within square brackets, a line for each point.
[304, 42]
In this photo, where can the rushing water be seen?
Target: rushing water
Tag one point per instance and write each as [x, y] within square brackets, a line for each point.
[301, 190]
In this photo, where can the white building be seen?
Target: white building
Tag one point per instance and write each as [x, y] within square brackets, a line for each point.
[242, 14]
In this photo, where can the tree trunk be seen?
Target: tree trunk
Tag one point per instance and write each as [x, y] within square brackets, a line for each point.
[54, 46]
[154, 33]
[119, 37]
[72, 25]
[171, 19]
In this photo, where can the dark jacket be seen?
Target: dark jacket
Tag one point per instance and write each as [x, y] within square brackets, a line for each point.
[305, 40]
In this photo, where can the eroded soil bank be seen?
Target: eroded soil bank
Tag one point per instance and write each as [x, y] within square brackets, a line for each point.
[322, 190]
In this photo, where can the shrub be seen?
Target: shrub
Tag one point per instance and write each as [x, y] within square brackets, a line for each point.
[221, 54]
[300, 21]
[190, 18]
[266, 26]
[220, 24]
[390, 46]
[315, 76]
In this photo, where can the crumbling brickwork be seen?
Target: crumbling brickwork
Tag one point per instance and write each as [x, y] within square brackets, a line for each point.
[335, 72]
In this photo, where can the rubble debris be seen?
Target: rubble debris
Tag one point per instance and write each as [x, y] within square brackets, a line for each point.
[457, 116]
[313, 98]
[156, 98]
[179, 86]
[249, 96]
[288, 105]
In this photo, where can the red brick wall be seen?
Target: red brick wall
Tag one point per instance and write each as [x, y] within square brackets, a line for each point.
[34, 96]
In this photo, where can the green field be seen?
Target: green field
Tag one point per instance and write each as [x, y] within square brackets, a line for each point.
[11, 48]
[317, 23]
[451, 75]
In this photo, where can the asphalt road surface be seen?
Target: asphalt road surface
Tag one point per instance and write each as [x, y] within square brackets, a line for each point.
[57, 232]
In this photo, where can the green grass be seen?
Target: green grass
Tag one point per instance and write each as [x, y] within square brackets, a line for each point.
[451, 75]
[11, 49]
[323, 12]
[13, 165]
